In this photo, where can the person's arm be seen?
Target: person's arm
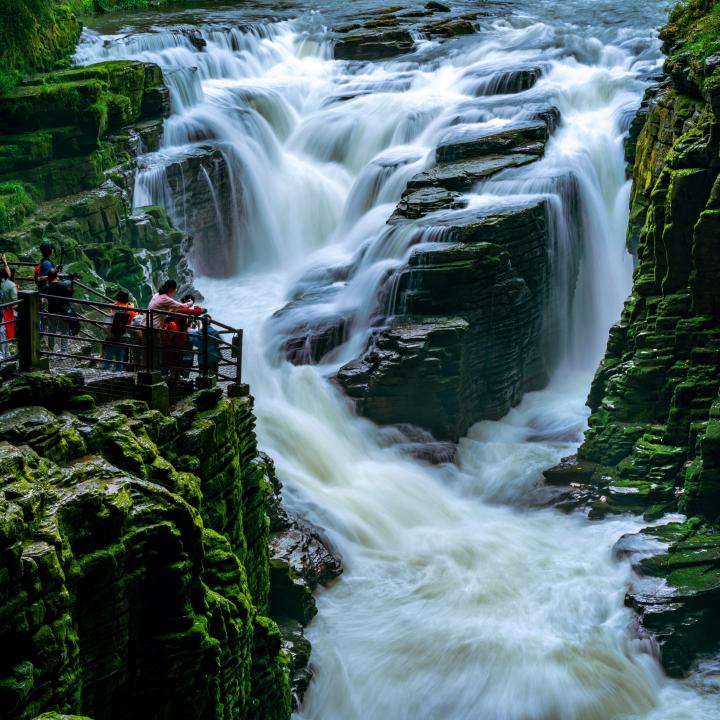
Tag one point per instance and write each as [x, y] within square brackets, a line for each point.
[6, 266]
[190, 310]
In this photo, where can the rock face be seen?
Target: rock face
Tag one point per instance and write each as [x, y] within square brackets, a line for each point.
[468, 314]
[68, 147]
[201, 200]
[465, 338]
[679, 588]
[655, 424]
[388, 33]
[135, 578]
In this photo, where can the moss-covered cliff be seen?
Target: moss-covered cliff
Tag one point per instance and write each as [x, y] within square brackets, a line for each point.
[69, 141]
[655, 423]
[134, 564]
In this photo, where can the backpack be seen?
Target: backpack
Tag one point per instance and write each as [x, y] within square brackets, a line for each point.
[38, 269]
[120, 321]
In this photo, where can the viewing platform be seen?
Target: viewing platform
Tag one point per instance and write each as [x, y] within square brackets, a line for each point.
[149, 361]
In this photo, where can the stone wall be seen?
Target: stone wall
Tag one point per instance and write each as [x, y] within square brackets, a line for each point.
[134, 563]
[654, 440]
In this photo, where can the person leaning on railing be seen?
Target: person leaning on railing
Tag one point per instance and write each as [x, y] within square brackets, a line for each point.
[163, 304]
[115, 349]
[8, 294]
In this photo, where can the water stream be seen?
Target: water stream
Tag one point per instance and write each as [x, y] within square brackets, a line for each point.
[460, 600]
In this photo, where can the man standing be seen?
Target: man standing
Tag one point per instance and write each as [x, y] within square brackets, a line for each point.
[58, 291]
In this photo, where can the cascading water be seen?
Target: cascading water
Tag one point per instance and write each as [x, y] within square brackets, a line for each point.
[459, 600]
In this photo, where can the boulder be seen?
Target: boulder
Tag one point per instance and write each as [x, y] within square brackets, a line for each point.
[678, 588]
[473, 141]
[374, 44]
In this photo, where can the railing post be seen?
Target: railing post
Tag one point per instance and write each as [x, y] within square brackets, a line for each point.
[205, 380]
[152, 387]
[204, 347]
[28, 332]
[238, 388]
[149, 342]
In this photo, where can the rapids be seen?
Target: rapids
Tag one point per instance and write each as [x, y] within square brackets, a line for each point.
[461, 599]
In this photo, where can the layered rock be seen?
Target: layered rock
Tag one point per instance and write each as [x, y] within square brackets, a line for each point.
[678, 588]
[200, 198]
[655, 423]
[68, 147]
[468, 314]
[390, 32]
[465, 338]
[135, 577]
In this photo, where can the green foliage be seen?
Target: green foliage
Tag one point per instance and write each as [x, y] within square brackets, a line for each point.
[694, 29]
[15, 203]
[36, 34]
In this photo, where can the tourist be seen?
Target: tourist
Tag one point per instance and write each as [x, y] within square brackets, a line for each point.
[8, 294]
[182, 353]
[60, 312]
[165, 309]
[43, 268]
[162, 303]
[115, 349]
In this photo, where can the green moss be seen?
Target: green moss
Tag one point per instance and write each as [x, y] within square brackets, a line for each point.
[695, 24]
[36, 34]
[15, 203]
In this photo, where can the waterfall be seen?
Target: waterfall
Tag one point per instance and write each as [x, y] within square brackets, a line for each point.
[460, 599]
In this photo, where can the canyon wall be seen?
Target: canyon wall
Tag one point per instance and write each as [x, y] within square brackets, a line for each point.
[135, 571]
[653, 444]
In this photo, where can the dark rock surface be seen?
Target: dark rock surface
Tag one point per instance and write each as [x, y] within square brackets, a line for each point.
[134, 567]
[465, 339]
[388, 33]
[678, 588]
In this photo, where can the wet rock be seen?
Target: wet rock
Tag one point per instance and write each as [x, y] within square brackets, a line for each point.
[307, 555]
[372, 44]
[458, 176]
[416, 203]
[466, 142]
[297, 646]
[570, 470]
[465, 340]
[204, 206]
[437, 6]
[678, 590]
[490, 81]
[449, 28]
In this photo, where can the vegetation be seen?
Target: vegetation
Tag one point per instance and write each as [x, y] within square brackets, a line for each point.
[15, 203]
[693, 30]
[35, 35]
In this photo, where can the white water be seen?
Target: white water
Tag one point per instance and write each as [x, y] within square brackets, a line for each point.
[458, 601]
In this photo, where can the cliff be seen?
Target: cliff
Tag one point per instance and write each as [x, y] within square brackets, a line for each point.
[135, 574]
[654, 439]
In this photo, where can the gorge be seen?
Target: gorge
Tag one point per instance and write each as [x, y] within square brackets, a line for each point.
[427, 222]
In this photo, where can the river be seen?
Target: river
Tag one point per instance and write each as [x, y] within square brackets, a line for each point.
[461, 598]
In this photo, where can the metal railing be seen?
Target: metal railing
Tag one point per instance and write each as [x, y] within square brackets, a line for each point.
[52, 331]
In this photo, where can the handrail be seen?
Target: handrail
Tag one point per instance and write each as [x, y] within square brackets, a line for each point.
[145, 347]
